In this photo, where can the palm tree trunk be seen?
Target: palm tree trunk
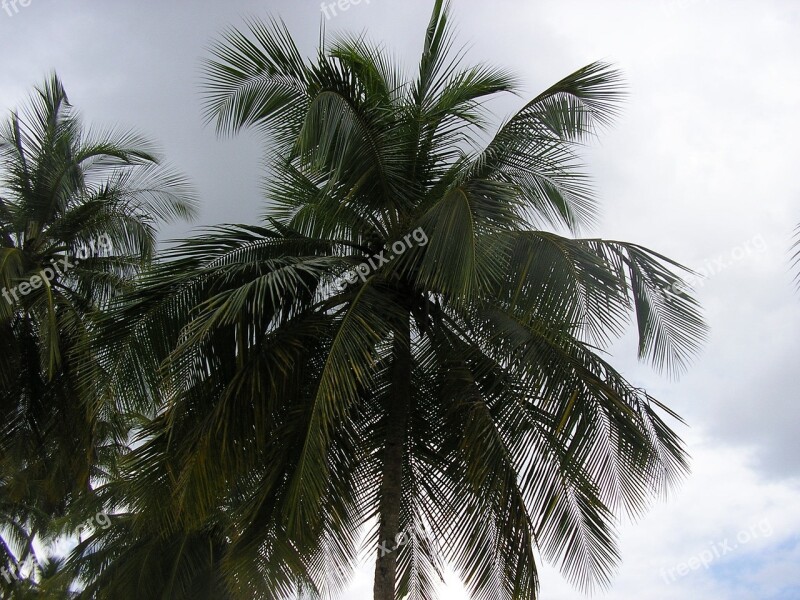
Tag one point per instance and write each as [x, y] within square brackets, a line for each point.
[392, 482]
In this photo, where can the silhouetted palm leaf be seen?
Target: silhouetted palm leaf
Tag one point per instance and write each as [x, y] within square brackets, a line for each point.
[457, 391]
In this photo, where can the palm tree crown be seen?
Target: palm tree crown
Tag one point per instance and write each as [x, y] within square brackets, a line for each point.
[78, 220]
[456, 389]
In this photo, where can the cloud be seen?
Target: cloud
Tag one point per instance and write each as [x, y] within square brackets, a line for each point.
[703, 159]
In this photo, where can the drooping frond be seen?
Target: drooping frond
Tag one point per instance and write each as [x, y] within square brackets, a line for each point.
[403, 344]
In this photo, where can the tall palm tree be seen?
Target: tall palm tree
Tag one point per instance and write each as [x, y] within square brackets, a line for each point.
[455, 392]
[79, 211]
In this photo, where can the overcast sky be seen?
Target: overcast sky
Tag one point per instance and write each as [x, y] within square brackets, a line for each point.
[702, 166]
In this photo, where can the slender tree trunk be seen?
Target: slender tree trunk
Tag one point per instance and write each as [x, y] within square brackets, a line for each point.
[392, 482]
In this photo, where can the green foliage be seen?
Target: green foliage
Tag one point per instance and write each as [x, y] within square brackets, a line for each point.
[264, 395]
[268, 388]
[63, 187]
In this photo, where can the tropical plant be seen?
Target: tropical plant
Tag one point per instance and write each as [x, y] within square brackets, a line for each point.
[458, 390]
[79, 211]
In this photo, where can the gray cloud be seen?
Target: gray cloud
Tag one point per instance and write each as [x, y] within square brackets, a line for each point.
[703, 159]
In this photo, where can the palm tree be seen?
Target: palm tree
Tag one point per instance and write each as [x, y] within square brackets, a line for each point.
[455, 393]
[79, 211]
